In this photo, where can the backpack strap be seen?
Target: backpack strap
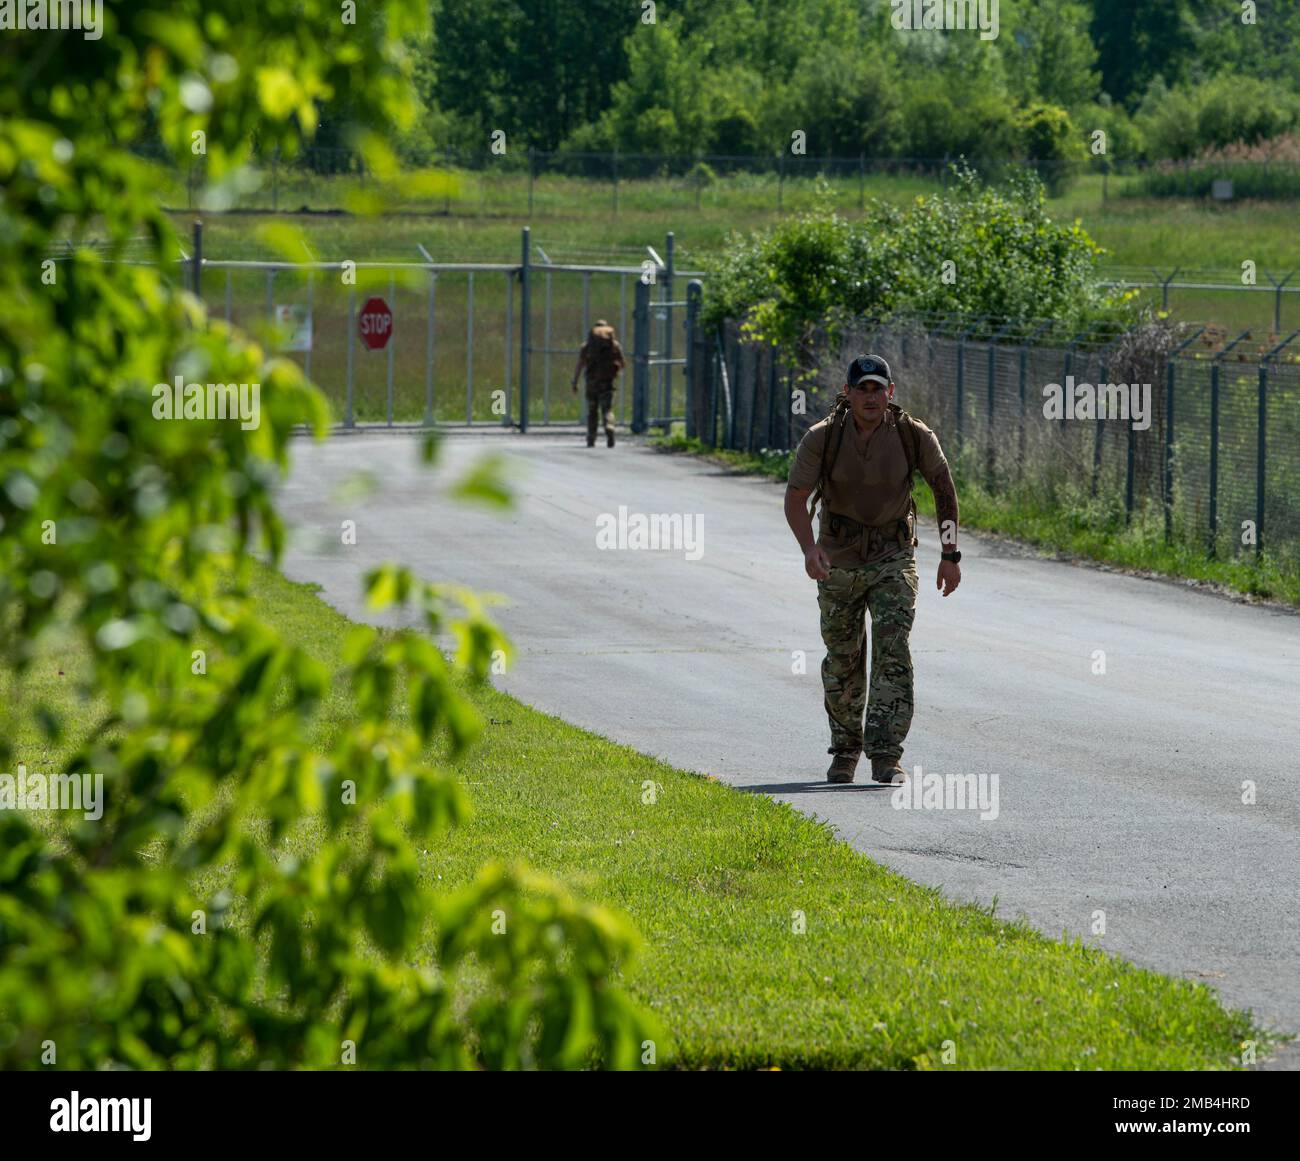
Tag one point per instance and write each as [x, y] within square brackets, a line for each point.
[839, 417]
[911, 442]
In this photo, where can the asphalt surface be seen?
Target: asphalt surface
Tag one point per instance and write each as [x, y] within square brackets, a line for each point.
[1118, 792]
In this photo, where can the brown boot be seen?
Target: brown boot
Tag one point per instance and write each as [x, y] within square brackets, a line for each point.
[888, 771]
[842, 767]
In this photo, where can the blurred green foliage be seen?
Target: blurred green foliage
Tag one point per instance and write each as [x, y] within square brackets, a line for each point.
[175, 931]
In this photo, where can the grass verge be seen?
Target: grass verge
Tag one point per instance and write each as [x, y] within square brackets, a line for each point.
[768, 942]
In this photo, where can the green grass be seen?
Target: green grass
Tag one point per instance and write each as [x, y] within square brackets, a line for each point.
[1059, 525]
[886, 971]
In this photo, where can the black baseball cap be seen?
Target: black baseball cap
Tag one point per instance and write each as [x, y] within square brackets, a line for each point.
[871, 367]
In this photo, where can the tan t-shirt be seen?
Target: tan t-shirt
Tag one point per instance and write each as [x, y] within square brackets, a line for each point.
[868, 482]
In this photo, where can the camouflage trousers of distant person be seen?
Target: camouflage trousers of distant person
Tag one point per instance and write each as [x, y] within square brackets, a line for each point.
[600, 405]
[887, 590]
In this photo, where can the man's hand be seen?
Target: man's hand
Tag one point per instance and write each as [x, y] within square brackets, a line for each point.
[949, 577]
[816, 563]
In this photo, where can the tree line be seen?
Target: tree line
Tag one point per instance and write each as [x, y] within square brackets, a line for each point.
[1162, 79]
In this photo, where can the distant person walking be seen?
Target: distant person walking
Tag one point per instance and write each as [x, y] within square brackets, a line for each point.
[602, 358]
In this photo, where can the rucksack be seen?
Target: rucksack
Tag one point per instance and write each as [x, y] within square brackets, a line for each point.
[840, 416]
[602, 354]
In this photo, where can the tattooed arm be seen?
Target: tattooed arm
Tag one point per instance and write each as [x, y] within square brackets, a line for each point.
[945, 509]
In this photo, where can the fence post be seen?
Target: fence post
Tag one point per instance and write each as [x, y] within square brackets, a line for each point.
[732, 384]
[392, 343]
[622, 330]
[1212, 540]
[1261, 458]
[525, 324]
[1023, 374]
[1277, 300]
[715, 379]
[1213, 535]
[694, 294]
[640, 355]
[352, 336]
[771, 396]
[1170, 380]
[667, 298]
[469, 350]
[1165, 287]
[196, 272]
[1169, 431]
[990, 451]
[546, 348]
[961, 385]
[510, 345]
[428, 354]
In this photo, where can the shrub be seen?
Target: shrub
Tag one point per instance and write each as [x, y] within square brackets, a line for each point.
[1183, 122]
[1010, 262]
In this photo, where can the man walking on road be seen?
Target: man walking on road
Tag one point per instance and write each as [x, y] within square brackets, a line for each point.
[603, 359]
[859, 462]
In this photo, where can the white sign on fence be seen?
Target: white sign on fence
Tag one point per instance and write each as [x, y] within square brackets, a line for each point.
[294, 322]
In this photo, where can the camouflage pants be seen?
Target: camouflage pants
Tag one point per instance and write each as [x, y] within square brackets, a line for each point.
[600, 404]
[887, 589]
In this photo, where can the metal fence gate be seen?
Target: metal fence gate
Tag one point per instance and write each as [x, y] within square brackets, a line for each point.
[470, 343]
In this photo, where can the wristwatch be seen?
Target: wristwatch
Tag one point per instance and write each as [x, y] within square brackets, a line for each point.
[953, 556]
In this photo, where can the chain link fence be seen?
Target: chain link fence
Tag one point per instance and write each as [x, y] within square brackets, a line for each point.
[1179, 426]
[516, 180]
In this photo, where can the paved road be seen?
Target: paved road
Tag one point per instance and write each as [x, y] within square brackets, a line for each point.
[1118, 792]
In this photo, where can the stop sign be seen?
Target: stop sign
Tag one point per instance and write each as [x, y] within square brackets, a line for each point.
[376, 323]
